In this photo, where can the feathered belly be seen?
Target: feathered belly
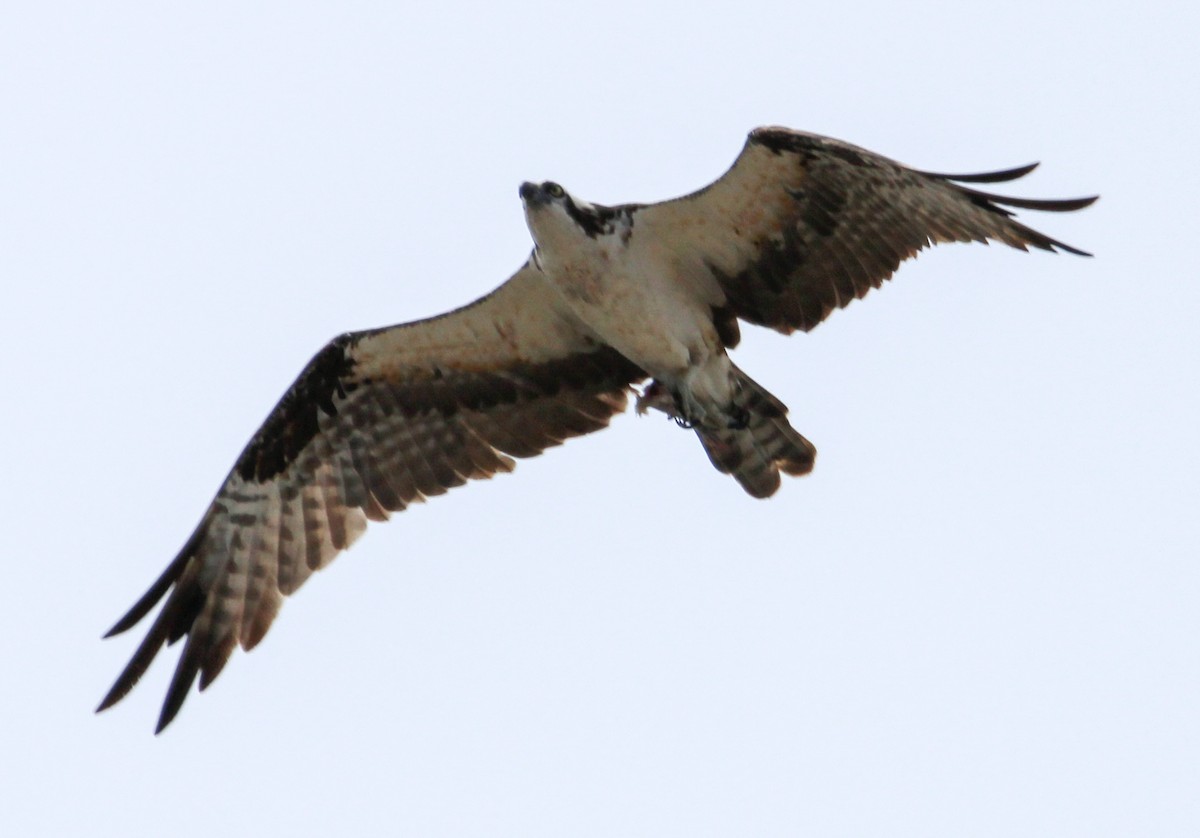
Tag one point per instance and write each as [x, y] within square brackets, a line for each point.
[644, 318]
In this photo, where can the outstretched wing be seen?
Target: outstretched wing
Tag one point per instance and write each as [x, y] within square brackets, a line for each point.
[803, 224]
[376, 421]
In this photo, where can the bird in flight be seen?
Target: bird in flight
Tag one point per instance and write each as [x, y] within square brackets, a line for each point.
[610, 298]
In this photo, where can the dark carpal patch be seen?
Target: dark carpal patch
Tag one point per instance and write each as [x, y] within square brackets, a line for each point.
[452, 390]
[293, 422]
[795, 277]
[821, 206]
[808, 146]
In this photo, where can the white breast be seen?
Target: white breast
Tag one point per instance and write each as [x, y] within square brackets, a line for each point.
[629, 291]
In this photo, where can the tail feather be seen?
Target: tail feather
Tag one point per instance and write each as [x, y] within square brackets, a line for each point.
[755, 454]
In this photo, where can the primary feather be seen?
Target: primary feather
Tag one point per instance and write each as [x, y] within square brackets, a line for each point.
[612, 296]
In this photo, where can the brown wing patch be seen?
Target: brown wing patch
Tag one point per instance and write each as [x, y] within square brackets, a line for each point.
[377, 421]
[801, 225]
[293, 423]
[377, 446]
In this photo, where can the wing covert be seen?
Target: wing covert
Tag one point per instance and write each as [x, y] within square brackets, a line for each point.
[376, 421]
[801, 225]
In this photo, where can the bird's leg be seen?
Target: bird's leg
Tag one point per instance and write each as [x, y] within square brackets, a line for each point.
[685, 410]
[688, 411]
[737, 416]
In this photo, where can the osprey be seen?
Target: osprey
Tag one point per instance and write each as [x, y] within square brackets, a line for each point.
[611, 297]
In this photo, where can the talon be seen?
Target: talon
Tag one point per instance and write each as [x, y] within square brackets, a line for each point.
[688, 412]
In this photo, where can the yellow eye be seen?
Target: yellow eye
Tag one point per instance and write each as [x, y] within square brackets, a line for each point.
[554, 190]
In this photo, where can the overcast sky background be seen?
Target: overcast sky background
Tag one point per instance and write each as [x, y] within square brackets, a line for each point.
[977, 617]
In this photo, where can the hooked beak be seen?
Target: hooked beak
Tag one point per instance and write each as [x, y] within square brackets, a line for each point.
[533, 194]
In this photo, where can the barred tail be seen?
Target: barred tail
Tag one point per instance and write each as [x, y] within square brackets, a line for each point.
[768, 444]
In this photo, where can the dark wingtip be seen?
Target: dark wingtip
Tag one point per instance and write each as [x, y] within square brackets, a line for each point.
[111, 698]
[140, 662]
[1044, 242]
[1054, 205]
[160, 587]
[1040, 204]
[173, 621]
[164, 720]
[998, 204]
[988, 177]
[181, 685]
[1066, 248]
[140, 608]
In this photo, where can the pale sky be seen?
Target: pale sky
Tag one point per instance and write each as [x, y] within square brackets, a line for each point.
[977, 617]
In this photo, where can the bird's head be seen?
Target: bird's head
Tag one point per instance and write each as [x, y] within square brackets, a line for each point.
[538, 195]
[546, 212]
[557, 220]
[550, 213]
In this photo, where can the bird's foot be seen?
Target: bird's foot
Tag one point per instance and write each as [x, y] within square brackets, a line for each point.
[685, 410]
[688, 412]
